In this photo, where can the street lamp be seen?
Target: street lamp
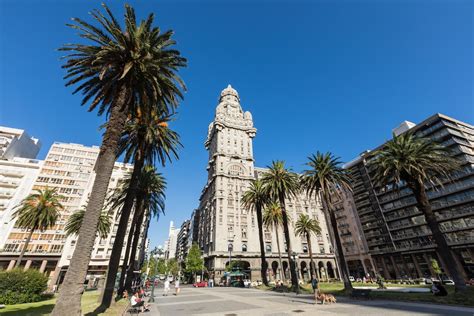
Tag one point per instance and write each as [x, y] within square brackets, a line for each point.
[297, 285]
[152, 295]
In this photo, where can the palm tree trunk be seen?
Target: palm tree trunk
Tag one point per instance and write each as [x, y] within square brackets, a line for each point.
[280, 267]
[264, 265]
[339, 252]
[294, 277]
[69, 300]
[136, 237]
[22, 253]
[311, 261]
[442, 246]
[141, 256]
[126, 259]
[114, 261]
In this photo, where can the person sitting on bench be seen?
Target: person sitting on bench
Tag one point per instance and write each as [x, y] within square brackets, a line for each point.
[136, 302]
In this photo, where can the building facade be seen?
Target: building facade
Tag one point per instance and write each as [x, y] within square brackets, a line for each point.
[69, 168]
[226, 230]
[171, 242]
[398, 239]
[17, 143]
[354, 245]
[182, 242]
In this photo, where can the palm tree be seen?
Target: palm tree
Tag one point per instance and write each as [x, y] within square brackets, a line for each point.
[305, 227]
[146, 139]
[74, 223]
[273, 218]
[38, 211]
[281, 184]
[255, 198]
[326, 178]
[151, 203]
[123, 69]
[418, 163]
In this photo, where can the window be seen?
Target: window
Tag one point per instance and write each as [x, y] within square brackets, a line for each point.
[268, 248]
[305, 249]
[244, 248]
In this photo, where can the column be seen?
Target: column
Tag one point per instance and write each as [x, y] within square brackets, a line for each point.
[428, 261]
[397, 273]
[459, 264]
[53, 277]
[43, 266]
[27, 265]
[374, 270]
[417, 266]
[385, 269]
[442, 263]
[364, 267]
[11, 265]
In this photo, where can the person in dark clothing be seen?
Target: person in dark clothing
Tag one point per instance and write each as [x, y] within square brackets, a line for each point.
[438, 289]
[315, 286]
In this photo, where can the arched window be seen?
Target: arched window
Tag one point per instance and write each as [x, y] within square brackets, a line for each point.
[244, 248]
[305, 249]
[268, 248]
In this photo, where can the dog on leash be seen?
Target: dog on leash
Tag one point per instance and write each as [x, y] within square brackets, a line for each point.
[326, 298]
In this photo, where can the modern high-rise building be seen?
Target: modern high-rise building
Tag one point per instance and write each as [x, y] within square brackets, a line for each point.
[227, 231]
[17, 143]
[69, 168]
[398, 238]
[171, 242]
[182, 241]
[354, 245]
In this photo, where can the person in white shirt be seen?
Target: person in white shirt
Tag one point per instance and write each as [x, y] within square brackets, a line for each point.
[136, 301]
[176, 286]
[167, 287]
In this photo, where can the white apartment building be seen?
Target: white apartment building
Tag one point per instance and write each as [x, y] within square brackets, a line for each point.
[17, 143]
[171, 242]
[17, 177]
[70, 169]
[226, 230]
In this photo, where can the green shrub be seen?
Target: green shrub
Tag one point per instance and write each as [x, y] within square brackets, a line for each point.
[18, 286]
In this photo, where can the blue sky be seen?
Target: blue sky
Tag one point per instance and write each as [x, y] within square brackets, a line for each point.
[321, 75]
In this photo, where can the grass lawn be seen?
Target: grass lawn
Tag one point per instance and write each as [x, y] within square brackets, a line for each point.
[89, 303]
[336, 288]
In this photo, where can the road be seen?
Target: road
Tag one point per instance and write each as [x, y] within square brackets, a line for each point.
[250, 302]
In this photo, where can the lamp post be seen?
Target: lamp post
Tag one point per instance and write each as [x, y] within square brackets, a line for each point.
[297, 286]
[152, 295]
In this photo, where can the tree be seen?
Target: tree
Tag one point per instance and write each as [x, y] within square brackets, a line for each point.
[38, 211]
[326, 178]
[150, 199]
[435, 266]
[282, 183]
[194, 261]
[172, 266]
[419, 163]
[273, 218]
[123, 71]
[74, 223]
[255, 199]
[305, 227]
[145, 140]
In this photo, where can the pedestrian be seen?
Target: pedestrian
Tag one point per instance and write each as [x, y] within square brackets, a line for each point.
[211, 282]
[315, 286]
[176, 286]
[166, 287]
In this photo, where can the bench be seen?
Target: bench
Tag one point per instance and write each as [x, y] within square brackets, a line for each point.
[361, 293]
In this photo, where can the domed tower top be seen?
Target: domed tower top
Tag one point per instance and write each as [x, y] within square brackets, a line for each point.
[230, 93]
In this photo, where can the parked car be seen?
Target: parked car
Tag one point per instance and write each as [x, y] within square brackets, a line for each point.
[447, 281]
[247, 283]
[351, 278]
[200, 284]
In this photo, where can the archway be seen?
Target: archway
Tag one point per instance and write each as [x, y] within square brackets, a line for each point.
[276, 274]
[330, 270]
[285, 269]
[304, 270]
[321, 270]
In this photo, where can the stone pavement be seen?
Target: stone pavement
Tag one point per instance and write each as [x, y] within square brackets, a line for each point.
[249, 302]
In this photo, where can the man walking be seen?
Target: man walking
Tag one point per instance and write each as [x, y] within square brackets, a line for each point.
[315, 286]
[166, 287]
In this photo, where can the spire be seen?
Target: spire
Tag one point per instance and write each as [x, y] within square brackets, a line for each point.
[229, 91]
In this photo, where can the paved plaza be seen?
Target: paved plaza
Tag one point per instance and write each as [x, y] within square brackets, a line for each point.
[249, 302]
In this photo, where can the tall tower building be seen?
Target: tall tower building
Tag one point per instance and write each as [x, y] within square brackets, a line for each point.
[16, 142]
[226, 230]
